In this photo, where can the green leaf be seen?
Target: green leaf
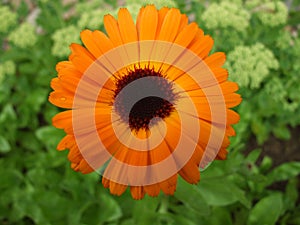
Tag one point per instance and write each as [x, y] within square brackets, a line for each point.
[282, 132]
[144, 212]
[265, 164]
[10, 177]
[128, 222]
[7, 114]
[50, 136]
[28, 141]
[294, 18]
[50, 207]
[36, 98]
[260, 129]
[253, 155]
[221, 192]
[221, 215]
[291, 194]
[284, 172]
[110, 210]
[257, 183]
[181, 220]
[4, 145]
[191, 197]
[266, 211]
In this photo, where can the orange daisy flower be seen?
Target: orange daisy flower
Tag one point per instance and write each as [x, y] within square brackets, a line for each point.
[146, 102]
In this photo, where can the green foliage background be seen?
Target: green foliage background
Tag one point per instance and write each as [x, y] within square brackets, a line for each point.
[37, 186]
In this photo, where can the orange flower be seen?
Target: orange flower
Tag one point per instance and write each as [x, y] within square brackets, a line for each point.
[146, 102]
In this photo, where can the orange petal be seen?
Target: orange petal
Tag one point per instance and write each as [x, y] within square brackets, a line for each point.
[90, 44]
[221, 74]
[117, 189]
[202, 47]
[67, 142]
[226, 142]
[105, 182]
[190, 172]
[138, 19]
[229, 87]
[189, 85]
[222, 154]
[68, 84]
[187, 35]
[170, 26]
[132, 157]
[105, 44]
[205, 133]
[152, 190]
[137, 192]
[78, 50]
[61, 99]
[161, 17]
[126, 26]
[75, 166]
[84, 167]
[112, 29]
[63, 65]
[63, 120]
[169, 186]
[230, 131]
[74, 155]
[80, 57]
[55, 84]
[197, 155]
[148, 26]
[183, 22]
[69, 71]
[198, 36]
[232, 100]
[215, 60]
[232, 117]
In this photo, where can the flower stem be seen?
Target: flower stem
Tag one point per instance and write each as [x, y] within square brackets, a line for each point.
[164, 204]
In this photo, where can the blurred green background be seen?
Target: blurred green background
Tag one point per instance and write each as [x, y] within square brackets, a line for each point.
[258, 184]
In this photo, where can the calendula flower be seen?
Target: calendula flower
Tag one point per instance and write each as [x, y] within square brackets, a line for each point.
[146, 102]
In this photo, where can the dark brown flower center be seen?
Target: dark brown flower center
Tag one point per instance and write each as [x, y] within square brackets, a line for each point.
[141, 112]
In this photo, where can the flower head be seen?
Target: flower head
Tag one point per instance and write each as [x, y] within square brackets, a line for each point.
[146, 102]
[90, 20]
[7, 18]
[159, 3]
[28, 34]
[7, 68]
[270, 13]
[249, 66]
[87, 6]
[226, 15]
[62, 38]
[284, 40]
